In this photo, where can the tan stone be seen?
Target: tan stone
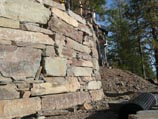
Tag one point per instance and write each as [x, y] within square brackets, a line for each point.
[77, 46]
[93, 85]
[24, 36]
[97, 95]
[77, 17]
[8, 92]
[95, 53]
[19, 107]
[71, 84]
[64, 16]
[60, 26]
[85, 29]
[52, 4]
[31, 45]
[64, 101]
[35, 28]
[67, 52]
[18, 63]
[81, 71]
[82, 63]
[56, 66]
[24, 10]
[5, 42]
[87, 79]
[4, 22]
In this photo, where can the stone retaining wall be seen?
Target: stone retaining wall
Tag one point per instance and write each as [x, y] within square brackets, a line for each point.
[48, 59]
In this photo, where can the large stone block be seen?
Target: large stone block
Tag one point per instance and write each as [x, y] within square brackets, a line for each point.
[24, 36]
[82, 63]
[35, 28]
[65, 17]
[57, 85]
[81, 71]
[77, 17]
[19, 63]
[60, 26]
[19, 107]
[8, 92]
[93, 85]
[64, 101]
[24, 10]
[55, 66]
[85, 29]
[4, 22]
[52, 4]
[77, 46]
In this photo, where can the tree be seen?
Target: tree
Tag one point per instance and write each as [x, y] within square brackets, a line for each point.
[127, 27]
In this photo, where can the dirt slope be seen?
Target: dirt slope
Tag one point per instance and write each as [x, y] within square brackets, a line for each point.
[119, 81]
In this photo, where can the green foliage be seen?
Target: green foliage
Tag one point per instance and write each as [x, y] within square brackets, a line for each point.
[128, 27]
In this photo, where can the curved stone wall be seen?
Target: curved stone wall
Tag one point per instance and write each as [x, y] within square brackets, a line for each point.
[48, 59]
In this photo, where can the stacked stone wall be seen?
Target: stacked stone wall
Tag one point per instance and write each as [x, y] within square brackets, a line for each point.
[48, 59]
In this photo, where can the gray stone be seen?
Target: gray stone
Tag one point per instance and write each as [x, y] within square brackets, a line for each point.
[19, 107]
[18, 63]
[65, 17]
[77, 17]
[35, 28]
[8, 92]
[95, 63]
[50, 51]
[52, 4]
[93, 85]
[4, 22]
[24, 36]
[56, 85]
[24, 10]
[64, 101]
[60, 26]
[5, 80]
[55, 66]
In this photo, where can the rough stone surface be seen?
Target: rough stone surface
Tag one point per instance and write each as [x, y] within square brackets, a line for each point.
[80, 71]
[77, 46]
[63, 101]
[61, 27]
[77, 17]
[95, 63]
[5, 42]
[18, 63]
[24, 10]
[82, 63]
[35, 28]
[24, 36]
[71, 84]
[93, 85]
[85, 29]
[64, 16]
[55, 66]
[4, 22]
[19, 107]
[97, 95]
[8, 92]
[52, 4]
[50, 51]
